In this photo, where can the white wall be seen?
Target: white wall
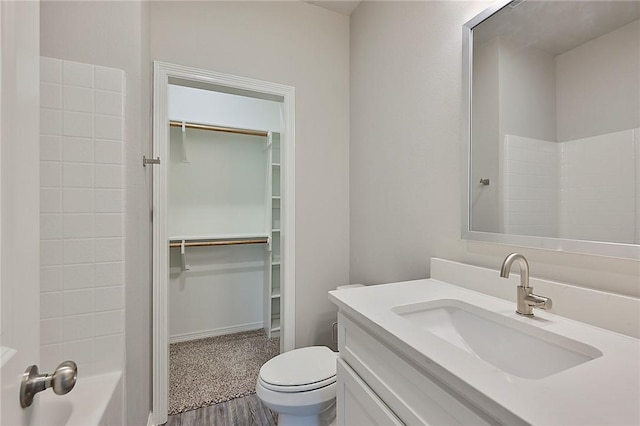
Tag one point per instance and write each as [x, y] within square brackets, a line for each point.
[115, 34]
[592, 75]
[219, 191]
[405, 162]
[598, 188]
[300, 45]
[209, 107]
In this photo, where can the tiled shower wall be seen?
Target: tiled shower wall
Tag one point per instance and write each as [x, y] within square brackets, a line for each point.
[581, 189]
[81, 216]
[529, 186]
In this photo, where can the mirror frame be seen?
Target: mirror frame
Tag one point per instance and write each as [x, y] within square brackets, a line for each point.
[608, 249]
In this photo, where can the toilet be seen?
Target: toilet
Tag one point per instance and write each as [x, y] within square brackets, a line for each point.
[300, 385]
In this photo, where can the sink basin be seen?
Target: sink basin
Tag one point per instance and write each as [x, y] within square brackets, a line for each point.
[513, 346]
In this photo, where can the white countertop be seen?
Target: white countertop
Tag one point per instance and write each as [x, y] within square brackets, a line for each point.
[602, 391]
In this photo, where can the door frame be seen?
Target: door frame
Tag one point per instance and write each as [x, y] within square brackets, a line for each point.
[163, 73]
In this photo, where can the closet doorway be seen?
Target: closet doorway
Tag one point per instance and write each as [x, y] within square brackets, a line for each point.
[223, 229]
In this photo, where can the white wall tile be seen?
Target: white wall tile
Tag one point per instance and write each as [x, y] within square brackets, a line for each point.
[76, 149]
[109, 201]
[108, 176]
[50, 70]
[81, 351]
[50, 200]
[50, 148]
[77, 200]
[50, 252]
[50, 95]
[108, 127]
[50, 331]
[78, 251]
[108, 274]
[50, 305]
[109, 249]
[50, 226]
[50, 356]
[109, 79]
[79, 99]
[108, 151]
[81, 198]
[109, 225]
[50, 174]
[78, 124]
[110, 322]
[109, 103]
[77, 74]
[75, 302]
[50, 278]
[77, 226]
[77, 175]
[50, 122]
[109, 348]
[108, 298]
[76, 277]
[77, 327]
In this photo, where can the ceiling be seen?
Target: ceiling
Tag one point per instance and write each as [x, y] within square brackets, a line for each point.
[557, 26]
[343, 7]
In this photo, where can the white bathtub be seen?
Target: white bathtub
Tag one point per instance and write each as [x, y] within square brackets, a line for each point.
[94, 401]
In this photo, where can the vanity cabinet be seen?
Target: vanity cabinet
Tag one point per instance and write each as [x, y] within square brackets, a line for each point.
[377, 385]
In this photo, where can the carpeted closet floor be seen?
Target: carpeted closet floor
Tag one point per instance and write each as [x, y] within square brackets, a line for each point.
[217, 369]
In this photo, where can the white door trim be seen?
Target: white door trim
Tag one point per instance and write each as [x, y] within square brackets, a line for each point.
[261, 89]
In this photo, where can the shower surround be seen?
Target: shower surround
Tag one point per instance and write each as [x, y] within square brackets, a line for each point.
[81, 216]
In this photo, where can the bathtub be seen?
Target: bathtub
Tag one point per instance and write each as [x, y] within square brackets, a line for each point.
[94, 401]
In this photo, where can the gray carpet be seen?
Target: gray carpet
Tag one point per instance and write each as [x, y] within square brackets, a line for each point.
[216, 369]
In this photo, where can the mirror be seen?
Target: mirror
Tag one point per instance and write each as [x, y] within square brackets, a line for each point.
[553, 128]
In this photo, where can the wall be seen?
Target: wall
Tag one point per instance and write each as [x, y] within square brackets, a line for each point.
[219, 192]
[114, 34]
[307, 47]
[589, 75]
[82, 216]
[405, 162]
[599, 192]
[205, 106]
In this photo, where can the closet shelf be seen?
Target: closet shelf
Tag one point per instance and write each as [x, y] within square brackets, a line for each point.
[218, 240]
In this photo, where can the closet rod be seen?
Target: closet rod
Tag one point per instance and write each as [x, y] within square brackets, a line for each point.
[218, 243]
[219, 128]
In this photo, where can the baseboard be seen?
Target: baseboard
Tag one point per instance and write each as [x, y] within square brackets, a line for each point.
[150, 419]
[215, 332]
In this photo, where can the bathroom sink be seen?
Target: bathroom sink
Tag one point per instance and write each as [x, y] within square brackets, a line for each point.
[512, 346]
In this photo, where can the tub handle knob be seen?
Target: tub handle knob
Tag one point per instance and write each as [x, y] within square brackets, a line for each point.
[61, 381]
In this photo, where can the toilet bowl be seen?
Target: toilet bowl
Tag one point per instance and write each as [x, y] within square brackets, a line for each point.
[300, 385]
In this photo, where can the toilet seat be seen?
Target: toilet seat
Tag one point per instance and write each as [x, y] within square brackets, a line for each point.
[299, 370]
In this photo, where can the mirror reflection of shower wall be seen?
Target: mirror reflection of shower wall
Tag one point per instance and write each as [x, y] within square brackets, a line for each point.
[223, 224]
[556, 121]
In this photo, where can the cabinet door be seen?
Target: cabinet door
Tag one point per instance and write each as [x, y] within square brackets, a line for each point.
[357, 404]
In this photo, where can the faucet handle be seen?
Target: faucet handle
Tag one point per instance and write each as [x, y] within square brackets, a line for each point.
[540, 302]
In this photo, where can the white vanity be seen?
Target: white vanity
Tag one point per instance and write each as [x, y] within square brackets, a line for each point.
[430, 352]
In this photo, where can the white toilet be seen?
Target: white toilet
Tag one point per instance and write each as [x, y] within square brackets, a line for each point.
[300, 385]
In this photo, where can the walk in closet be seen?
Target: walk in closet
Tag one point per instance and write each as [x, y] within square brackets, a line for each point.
[223, 216]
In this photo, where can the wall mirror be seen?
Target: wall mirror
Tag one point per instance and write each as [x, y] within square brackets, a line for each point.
[552, 148]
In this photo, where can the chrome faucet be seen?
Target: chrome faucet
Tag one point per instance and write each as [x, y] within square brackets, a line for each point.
[526, 299]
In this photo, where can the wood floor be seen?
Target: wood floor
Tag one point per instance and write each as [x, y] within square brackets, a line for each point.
[244, 411]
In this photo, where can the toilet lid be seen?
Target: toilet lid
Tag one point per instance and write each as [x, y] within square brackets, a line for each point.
[300, 367]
